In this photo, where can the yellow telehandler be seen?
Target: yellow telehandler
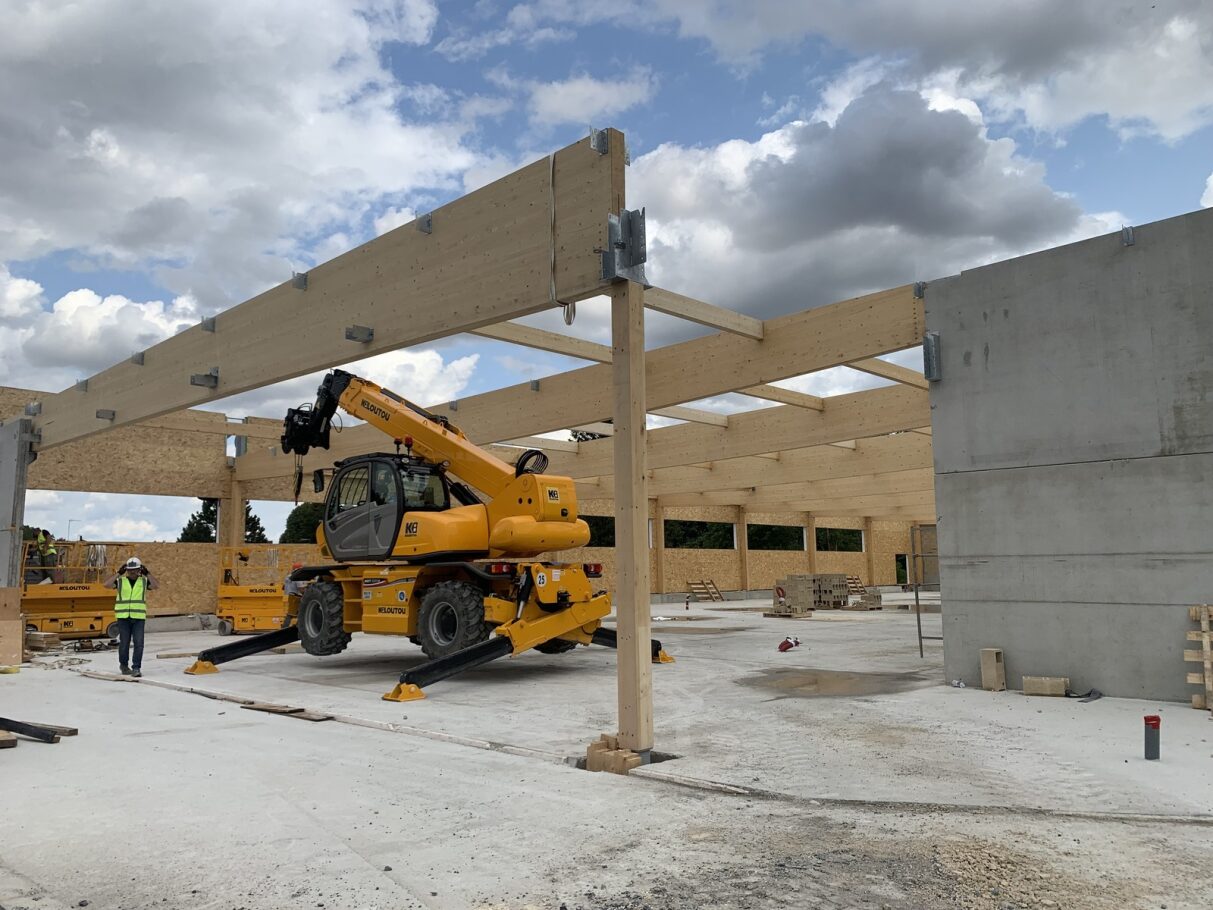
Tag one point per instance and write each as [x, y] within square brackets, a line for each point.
[415, 552]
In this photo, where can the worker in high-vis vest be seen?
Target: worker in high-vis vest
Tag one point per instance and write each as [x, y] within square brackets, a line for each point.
[47, 555]
[132, 583]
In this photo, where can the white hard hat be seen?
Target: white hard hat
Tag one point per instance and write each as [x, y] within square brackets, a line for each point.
[134, 563]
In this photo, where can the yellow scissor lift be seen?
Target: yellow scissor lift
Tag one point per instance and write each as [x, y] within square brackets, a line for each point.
[251, 597]
[70, 598]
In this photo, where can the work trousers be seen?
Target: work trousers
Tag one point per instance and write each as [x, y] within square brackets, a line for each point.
[128, 630]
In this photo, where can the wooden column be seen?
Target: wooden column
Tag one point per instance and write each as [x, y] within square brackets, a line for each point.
[15, 457]
[810, 540]
[658, 547]
[231, 515]
[631, 520]
[869, 550]
[743, 548]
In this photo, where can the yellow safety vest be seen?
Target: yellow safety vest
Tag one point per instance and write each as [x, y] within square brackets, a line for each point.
[46, 546]
[131, 602]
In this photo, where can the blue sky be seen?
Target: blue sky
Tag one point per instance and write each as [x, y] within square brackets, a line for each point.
[165, 161]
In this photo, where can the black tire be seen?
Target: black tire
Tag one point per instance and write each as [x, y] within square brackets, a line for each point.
[322, 619]
[226, 627]
[556, 646]
[111, 631]
[451, 619]
[30, 627]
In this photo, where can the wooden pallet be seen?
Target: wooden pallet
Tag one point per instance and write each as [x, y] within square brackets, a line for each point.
[42, 641]
[1202, 614]
[855, 586]
[705, 590]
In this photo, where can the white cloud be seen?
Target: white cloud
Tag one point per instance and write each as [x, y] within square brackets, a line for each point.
[893, 192]
[392, 219]
[209, 147]
[1146, 66]
[580, 99]
[49, 346]
[1206, 198]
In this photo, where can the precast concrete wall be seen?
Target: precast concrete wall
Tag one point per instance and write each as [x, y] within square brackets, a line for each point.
[1073, 437]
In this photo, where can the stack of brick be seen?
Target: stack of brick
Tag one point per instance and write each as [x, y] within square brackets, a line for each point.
[805, 593]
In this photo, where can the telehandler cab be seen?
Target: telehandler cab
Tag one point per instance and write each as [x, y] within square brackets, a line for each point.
[414, 551]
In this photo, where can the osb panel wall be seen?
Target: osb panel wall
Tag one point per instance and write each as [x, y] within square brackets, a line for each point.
[684, 566]
[793, 519]
[133, 459]
[189, 572]
[843, 563]
[768, 566]
[889, 538]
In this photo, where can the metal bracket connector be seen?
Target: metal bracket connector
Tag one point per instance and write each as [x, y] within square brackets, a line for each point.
[299, 280]
[81, 386]
[33, 409]
[600, 141]
[1126, 235]
[932, 368]
[105, 414]
[208, 380]
[627, 249]
[920, 290]
[241, 445]
[363, 334]
[452, 405]
[425, 223]
[534, 385]
[208, 324]
[137, 359]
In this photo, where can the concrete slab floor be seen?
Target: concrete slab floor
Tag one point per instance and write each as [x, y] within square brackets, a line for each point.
[167, 799]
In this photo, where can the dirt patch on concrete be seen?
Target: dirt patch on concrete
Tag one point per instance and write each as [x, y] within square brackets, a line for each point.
[808, 683]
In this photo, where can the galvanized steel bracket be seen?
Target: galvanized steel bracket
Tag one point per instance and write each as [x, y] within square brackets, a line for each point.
[627, 248]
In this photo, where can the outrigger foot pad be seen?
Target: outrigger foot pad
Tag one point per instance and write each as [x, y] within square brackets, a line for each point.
[404, 692]
[200, 667]
[609, 638]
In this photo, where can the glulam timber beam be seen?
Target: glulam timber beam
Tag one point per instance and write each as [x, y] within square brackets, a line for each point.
[870, 458]
[543, 340]
[792, 345]
[708, 314]
[692, 415]
[785, 396]
[858, 415]
[874, 366]
[490, 256]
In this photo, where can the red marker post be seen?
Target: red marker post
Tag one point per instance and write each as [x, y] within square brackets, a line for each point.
[1153, 731]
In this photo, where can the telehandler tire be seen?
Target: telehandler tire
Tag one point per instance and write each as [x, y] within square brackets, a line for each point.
[322, 619]
[556, 646]
[451, 619]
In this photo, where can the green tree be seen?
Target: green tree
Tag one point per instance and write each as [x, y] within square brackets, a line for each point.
[302, 522]
[697, 535]
[774, 537]
[254, 531]
[28, 532]
[201, 526]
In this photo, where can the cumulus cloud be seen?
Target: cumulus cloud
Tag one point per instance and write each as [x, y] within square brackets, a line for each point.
[892, 192]
[580, 99]
[1206, 198]
[1147, 66]
[212, 147]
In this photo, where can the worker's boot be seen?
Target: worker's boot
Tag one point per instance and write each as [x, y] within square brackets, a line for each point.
[124, 670]
[136, 672]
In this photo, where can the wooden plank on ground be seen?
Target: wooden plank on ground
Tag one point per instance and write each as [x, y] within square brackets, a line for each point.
[33, 731]
[7, 740]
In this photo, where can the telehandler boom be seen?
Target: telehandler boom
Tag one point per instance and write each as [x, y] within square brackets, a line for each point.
[414, 551]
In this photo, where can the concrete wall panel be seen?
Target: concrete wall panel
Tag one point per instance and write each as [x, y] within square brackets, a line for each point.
[1073, 440]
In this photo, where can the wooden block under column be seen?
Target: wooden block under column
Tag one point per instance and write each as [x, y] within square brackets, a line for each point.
[993, 670]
